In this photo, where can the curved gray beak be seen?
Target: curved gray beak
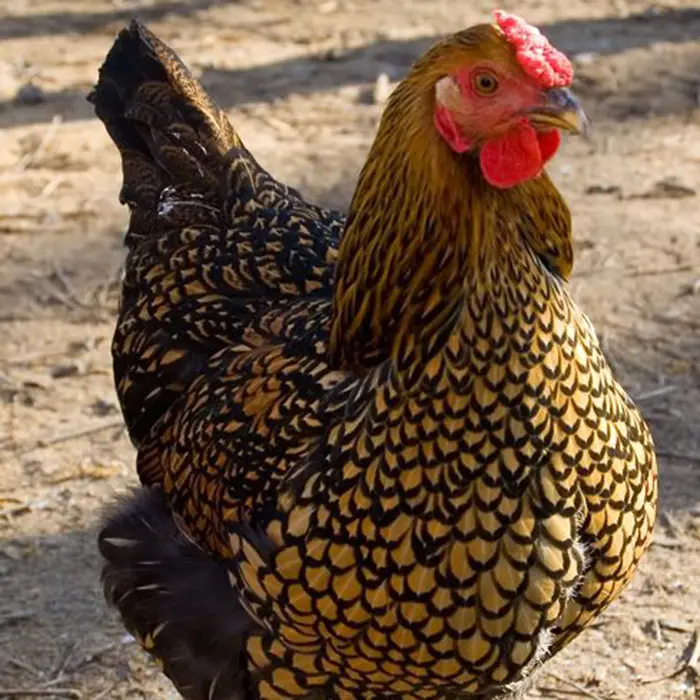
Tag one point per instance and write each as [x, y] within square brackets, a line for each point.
[561, 110]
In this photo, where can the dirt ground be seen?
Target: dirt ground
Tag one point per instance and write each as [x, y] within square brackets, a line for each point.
[301, 81]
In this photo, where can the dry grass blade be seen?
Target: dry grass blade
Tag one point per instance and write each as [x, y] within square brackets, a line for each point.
[62, 663]
[675, 626]
[691, 664]
[16, 616]
[73, 435]
[28, 159]
[91, 657]
[661, 271]
[14, 510]
[667, 542]
[656, 393]
[670, 523]
[104, 693]
[547, 692]
[580, 689]
[68, 291]
[694, 655]
[18, 663]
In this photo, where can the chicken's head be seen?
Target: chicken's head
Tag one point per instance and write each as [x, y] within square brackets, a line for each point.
[501, 92]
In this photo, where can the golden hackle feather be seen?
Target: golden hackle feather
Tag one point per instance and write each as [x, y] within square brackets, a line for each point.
[413, 469]
[402, 267]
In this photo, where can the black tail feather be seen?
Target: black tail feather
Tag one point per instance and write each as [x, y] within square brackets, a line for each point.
[170, 134]
[175, 599]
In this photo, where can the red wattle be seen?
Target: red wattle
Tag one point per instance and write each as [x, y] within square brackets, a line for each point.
[549, 144]
[448, 129]
[514, 157]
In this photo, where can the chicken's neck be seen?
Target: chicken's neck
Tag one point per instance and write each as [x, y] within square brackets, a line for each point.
[423, 222]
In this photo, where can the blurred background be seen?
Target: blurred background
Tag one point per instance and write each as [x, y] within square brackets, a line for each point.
[304, 82]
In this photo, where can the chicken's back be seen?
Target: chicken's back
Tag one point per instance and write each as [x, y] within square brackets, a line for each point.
[213, 239]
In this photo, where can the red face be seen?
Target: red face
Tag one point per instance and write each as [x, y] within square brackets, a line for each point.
[510, 120]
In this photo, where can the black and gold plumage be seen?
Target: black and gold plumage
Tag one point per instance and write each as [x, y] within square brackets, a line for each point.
[382, 456]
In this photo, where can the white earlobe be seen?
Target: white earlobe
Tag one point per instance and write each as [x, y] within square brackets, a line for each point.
[447, 92]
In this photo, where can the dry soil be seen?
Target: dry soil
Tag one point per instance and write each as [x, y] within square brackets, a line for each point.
[304, 82]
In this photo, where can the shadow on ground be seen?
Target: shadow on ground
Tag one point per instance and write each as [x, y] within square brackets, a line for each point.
[51, 583]
[56, 23]
[635, 95]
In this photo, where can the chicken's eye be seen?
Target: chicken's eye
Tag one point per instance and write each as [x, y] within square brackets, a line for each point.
[485, 83]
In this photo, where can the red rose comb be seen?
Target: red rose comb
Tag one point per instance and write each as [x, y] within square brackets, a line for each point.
[539, 59]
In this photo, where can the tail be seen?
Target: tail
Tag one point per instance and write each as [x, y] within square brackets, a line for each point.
[185, 174]
[170, 134]
[175, 599]
[211, 234]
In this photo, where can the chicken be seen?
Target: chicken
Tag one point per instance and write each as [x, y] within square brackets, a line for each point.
[381, 455]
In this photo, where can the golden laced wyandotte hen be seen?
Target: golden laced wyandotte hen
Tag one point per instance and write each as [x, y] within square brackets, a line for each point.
[382, 454]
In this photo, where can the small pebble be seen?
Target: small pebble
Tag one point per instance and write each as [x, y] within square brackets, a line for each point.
[30, 94]
[599, 675]
[104, 407]
[11, 551]
[71, 369]
[672, 188]
[603, 189]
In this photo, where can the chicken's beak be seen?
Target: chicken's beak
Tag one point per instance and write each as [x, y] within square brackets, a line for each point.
[560, 110]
